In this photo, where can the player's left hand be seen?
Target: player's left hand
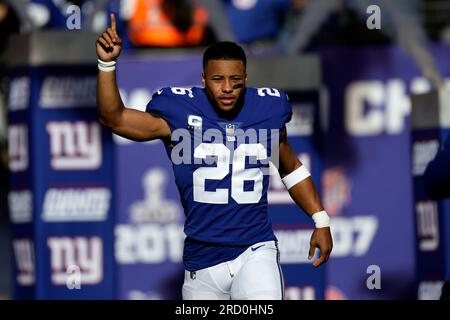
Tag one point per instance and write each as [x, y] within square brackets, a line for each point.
[109, 44]
[321, 238]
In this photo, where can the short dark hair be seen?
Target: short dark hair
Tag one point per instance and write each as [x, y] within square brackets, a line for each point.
[224, 50]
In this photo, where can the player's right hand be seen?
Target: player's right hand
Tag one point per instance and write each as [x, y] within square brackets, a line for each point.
[109, 44]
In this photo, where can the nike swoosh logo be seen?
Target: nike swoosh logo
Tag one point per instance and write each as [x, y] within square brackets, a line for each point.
[254, 249]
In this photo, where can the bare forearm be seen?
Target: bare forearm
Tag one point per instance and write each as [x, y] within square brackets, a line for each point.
[109, 103]
[306, 196]
[302, 190]
[304, 193]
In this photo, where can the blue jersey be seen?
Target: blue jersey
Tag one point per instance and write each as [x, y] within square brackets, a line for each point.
[221, 168]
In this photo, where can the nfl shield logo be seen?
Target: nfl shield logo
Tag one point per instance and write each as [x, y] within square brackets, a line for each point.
[229, 129]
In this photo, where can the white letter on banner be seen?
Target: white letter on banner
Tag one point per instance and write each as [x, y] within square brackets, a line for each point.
[358, 121]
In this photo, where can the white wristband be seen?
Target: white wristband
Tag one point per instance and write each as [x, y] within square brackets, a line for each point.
[321, 219]
[106, 66]
[296, 176]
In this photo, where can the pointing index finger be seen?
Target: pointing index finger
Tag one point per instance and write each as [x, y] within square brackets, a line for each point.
[113, 22]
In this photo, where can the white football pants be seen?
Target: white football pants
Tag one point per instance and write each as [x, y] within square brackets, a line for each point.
[254, 275]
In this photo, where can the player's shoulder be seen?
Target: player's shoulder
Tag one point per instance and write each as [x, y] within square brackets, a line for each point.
[272, 103]
[272, 99]
[178, 92]
[175, 102]
[268, 94]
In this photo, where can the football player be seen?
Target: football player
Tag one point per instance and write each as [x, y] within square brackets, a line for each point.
[220, 138]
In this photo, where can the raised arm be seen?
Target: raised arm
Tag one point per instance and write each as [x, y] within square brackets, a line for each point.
[126, 122]
[304, 193]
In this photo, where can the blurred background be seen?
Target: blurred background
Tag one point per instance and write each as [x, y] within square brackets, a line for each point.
[85, 214]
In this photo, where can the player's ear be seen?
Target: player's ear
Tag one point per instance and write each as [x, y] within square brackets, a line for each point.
[203, 79]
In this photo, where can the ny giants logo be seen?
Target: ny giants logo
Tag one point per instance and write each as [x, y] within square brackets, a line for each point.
[85, 253]
[427, 225]
[18, 147]
[75, 145]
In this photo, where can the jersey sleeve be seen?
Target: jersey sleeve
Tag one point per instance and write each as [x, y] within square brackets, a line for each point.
[274, 104]
[161, 105]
